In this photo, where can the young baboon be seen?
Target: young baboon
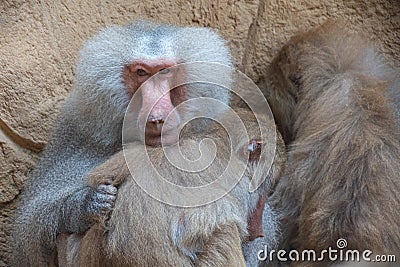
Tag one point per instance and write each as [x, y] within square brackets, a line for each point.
[335, 101]
[143, 231]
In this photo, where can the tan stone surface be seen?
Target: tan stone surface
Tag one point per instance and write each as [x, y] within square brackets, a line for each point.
[6, 219]
[277, 21]
[40, 41]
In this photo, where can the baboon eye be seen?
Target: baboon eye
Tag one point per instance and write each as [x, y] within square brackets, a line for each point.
[141, 72]
[164, 71]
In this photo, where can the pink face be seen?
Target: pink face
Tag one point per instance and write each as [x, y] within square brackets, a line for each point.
[157, 99]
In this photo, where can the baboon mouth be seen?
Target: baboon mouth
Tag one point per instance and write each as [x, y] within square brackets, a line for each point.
[156, 140]
[158, 129]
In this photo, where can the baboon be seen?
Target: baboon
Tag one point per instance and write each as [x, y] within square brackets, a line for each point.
[57, 199]
[143, 231]
[335, 101]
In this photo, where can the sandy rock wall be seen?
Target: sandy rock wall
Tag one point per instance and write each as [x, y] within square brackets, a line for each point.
[40, 42]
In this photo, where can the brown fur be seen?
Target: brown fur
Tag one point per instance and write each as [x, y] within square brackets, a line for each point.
[328, 90]
[145, 232]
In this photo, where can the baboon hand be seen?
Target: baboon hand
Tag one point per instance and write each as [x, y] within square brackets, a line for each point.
[254, 149]
[101, 201]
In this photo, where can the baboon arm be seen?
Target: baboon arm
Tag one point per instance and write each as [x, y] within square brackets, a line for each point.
[223, 248]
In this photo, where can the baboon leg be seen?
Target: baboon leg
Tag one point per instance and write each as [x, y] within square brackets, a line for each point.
[223, 248]
[68, 250]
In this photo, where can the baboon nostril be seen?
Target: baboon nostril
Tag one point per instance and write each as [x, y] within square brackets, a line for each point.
[158, 121]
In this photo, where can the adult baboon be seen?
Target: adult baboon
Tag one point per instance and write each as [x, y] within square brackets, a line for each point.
[113, 65]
